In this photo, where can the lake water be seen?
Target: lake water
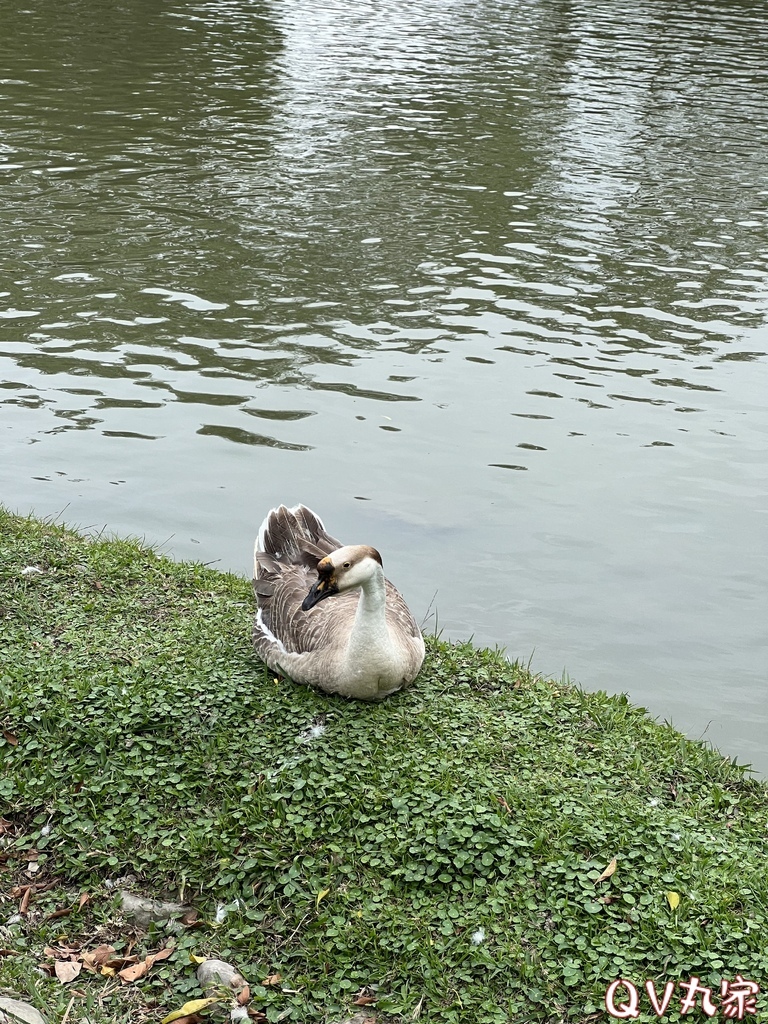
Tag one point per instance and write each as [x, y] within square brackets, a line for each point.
[483, 283]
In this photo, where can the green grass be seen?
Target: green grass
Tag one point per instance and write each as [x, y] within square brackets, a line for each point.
[145, 739]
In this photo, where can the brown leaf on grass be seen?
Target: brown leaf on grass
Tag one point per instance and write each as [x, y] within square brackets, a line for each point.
[117, 963]
[10, 738]
[161, 954]
[133, 973]
[364, 1000]
[35, 887]
[84, 898]
[67, 970]
[26, 897]
[58, 913]
[244, 995]
[272, 981]
[10, 952]
[63, 952]
[102, 953]
[136, 971]
[607, 872]
[94, 960]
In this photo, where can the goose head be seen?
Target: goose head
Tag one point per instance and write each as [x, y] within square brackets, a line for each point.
[344, 569]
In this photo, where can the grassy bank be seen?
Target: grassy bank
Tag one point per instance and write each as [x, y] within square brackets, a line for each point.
[440, 851]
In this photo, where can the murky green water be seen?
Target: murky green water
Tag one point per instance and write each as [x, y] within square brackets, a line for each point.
[485, 284]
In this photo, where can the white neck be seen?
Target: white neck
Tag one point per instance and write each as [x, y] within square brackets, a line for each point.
[375, 664]
[369, 631]
[373, 598]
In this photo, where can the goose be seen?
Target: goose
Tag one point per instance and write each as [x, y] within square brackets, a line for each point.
[326, 615]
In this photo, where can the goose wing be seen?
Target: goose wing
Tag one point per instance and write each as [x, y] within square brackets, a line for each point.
[280, 593]
[328, 624]
[399, 617]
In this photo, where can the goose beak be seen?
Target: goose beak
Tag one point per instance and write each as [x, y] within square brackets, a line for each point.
[325, 587]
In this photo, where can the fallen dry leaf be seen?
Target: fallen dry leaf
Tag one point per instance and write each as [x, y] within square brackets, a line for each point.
[67, 970]
[117, 963]
[92, 958]
[10, 952]
[608, 872]
[63, 952]
[58, 913]
[10, 738]
[24, 905]
[84, 898]
[133, 973]
[364, 1000]
[244, 995]
[189, 1010]
[136, 971]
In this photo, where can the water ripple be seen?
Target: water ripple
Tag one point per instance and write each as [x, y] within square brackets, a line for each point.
[423, 243]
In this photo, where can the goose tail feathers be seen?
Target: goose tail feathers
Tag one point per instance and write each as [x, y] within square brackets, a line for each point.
[291, 536]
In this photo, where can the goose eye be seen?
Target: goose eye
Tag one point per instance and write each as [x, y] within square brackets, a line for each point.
[346, 565]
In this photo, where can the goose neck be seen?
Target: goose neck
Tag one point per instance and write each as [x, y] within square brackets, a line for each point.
[373, 597]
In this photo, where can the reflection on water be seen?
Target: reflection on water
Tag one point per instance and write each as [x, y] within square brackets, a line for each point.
[483, 283]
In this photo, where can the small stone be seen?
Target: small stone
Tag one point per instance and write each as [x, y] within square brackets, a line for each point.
[218, 972]
[13, 1011]
[145, 910]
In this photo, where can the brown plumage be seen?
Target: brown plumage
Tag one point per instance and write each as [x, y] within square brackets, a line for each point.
[344, 628]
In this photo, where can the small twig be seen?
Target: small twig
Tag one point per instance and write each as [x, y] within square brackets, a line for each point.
[65, 1018]
[295, 930]
[107, 992]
